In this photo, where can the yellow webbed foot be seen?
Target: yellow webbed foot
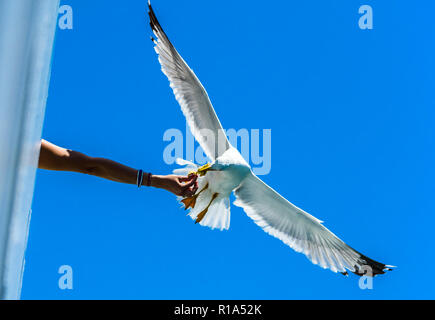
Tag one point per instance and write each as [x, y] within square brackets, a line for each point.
[189, 202]
[201, 215]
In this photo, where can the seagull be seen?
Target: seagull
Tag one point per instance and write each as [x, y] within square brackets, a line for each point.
[230, 173]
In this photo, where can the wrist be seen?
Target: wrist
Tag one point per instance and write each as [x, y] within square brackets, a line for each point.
[156, 181]
[144, 178]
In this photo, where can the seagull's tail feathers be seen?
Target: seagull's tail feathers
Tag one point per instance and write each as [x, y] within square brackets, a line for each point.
[218, 214]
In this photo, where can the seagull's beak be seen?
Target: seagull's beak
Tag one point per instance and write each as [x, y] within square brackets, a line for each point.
[202, 170]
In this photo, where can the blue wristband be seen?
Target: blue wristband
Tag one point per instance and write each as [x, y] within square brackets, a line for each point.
[139, 178]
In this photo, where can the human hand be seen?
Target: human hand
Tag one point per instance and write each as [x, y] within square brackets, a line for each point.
[179, 185]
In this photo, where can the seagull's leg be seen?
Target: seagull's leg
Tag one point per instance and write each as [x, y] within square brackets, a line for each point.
[201, 215]
[191, 201]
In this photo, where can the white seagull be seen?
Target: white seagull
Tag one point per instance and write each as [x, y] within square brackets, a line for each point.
[229, 172]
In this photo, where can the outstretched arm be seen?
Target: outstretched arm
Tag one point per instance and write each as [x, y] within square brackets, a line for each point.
[53, 157]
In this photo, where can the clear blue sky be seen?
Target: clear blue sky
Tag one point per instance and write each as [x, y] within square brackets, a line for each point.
[351, 113]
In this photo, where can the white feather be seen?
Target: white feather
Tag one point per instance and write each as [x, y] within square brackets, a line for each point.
[190, 94]
[295, 227]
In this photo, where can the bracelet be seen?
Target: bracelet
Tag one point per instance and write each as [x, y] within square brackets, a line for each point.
[139, 178]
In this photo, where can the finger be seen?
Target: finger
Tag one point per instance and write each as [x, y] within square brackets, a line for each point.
[189, 184]
[181, 178]
[194, 189]
[190, 177]
[185, 178]
[182, 193]
[188, 193]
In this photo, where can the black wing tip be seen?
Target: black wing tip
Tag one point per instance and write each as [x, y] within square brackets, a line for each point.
[157, 28]
[150, 8]
[372, 267]
[154, 23]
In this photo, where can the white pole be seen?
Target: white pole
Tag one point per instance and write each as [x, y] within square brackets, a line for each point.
[27, 29]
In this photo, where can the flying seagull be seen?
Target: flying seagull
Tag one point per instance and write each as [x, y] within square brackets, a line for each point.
[229, 172]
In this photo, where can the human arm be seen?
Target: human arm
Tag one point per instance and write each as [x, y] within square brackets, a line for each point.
[53, 157]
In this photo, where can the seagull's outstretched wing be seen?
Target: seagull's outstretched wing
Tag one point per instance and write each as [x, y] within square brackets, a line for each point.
[190, 94]
[301, 231]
